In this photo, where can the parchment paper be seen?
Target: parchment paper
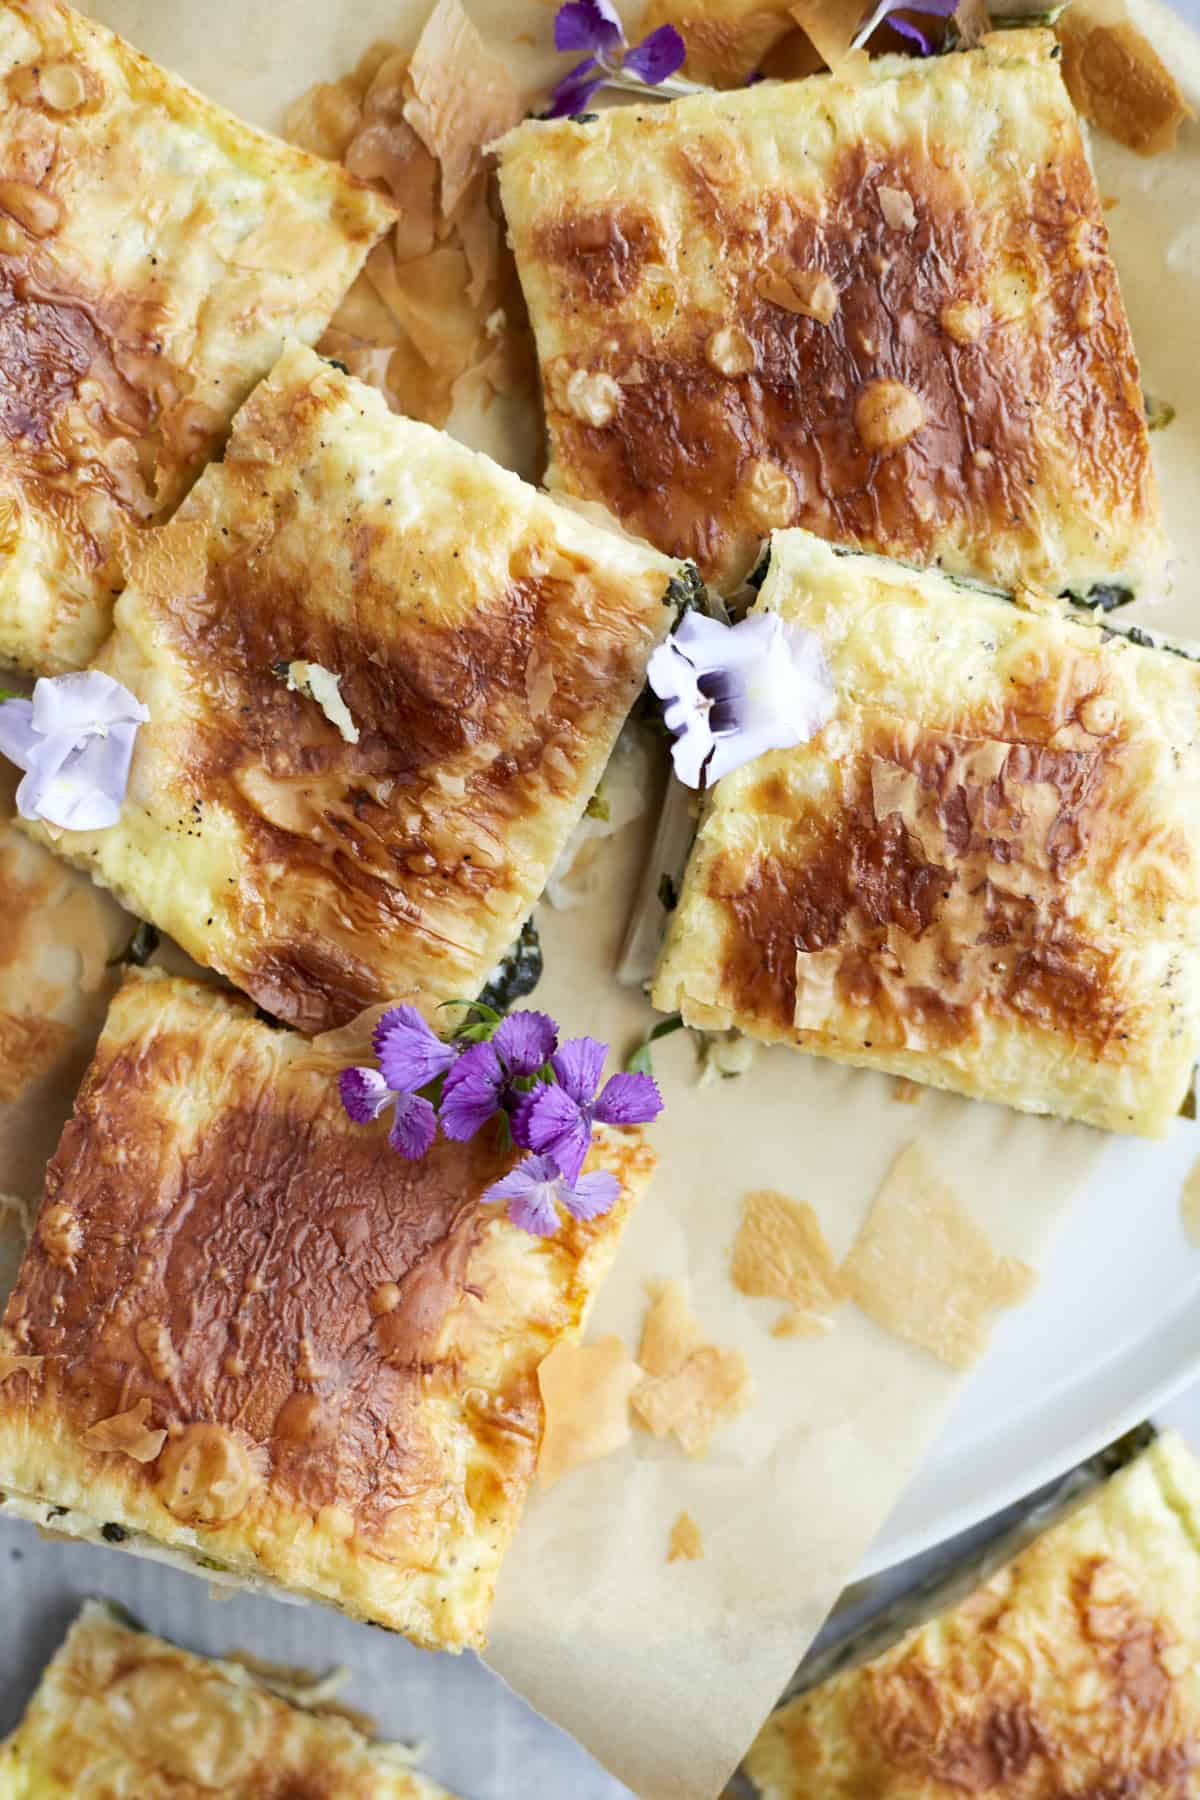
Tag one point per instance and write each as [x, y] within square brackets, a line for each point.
[665, 1672]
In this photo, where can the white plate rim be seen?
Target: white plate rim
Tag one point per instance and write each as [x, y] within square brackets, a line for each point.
[888, 1551]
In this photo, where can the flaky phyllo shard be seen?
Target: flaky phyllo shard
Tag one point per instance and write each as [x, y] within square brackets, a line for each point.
[1071, 1670]
[249, 1339]
[981, 873]
[155, 253]
[158, 1722]
[384, 676]
[880, 306]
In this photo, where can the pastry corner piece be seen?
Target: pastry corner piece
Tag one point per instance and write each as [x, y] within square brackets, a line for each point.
[879, 305]
[249, 1339]
[157, 1720]
[1071, 1670]
[155, 252]
[983, 873]
[384, 676]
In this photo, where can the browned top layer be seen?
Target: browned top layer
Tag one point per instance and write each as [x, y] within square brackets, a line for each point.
[487, 645]
[262, 1295]
[237, 1281]
[140, 296]
[381, 829]
[915, 1722]
[887, 332]
[934, 904]
[241, 1315]
[674, 460]
[1069, 1673]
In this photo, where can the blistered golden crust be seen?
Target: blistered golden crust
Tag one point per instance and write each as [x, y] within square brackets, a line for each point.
[488, 643]
[314, 1362]
[983, 873]
[154, 253]
[881, 307]
[1073, 1670]
[160, 1724]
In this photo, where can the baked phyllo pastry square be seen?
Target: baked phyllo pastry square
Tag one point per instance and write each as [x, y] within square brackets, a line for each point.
[154, 254]
[384, 677]
[122, 1714]
[879, 305]
[982, 873]
[250, 1339]
[1073, 1670]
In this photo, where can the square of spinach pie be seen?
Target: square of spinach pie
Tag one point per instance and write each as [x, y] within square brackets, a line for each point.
[249, 1339]
[983, 873]
[122, 1715]
[1072, 1670]
[155, 252]
[384, 676]
[877, 304]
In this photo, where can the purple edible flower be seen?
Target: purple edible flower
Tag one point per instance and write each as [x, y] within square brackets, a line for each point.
[365, 1093]
[410, 1052]
[889, 10]
[537, 1187]
[556, 1120]
[594, 26]
[74, 740]
[482, 1081]
[732, 692]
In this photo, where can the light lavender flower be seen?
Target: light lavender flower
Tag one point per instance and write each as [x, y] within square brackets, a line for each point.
[732, 692]
[537, 1187]
[556, 1119]
[74, 740]
[594, 26]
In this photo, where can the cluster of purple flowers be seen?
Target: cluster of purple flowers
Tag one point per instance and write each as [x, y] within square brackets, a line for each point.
[513, 1071]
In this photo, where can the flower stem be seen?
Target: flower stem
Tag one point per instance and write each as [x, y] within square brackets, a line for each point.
[673, 87]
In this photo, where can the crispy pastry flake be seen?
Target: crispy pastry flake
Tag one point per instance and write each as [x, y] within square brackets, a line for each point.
[436, 314]
[126, 1432]
[671, 1331]
[780, 1252]
[686, 1543]
[922, 1268]
[585, 1391]
[709, 1391]
[692, 1387]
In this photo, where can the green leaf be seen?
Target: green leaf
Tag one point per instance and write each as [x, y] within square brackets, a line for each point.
[1159, 413]
[11, 694]
[597, 808]
[139, 949]
[518, 974]
[473, 1006]
[640, 1060]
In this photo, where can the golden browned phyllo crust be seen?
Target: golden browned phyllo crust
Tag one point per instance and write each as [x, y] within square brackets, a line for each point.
[393, 833]
[878, 305]
[1071, 1672]
[983, 871]
[154, 254]
[246, 1332]
[122, 1715]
